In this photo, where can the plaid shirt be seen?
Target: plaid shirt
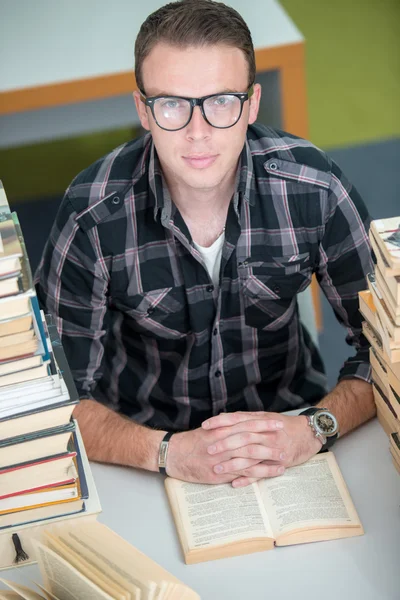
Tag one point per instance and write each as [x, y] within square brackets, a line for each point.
[143, 327]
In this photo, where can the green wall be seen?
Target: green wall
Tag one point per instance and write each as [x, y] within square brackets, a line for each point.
[353, 68]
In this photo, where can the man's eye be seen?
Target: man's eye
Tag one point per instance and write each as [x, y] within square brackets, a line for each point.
[171, 104]
[221, 100]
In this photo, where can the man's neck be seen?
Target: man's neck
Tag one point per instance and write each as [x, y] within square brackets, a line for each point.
[203, 210]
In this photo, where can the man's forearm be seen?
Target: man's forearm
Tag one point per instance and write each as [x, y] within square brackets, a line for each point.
[112, 438]
[352, 403]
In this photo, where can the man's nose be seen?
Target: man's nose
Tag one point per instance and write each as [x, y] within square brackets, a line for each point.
[198, 128]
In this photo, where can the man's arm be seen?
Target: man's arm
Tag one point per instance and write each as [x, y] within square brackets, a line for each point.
[112, 438]
[352, 403]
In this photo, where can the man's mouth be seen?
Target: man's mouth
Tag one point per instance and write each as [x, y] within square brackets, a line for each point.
[200, 161]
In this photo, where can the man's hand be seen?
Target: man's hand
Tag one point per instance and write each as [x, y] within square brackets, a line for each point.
[243, 439]
[190, 459]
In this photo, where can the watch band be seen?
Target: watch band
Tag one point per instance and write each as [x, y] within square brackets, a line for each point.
[163, 453]
[329, 440]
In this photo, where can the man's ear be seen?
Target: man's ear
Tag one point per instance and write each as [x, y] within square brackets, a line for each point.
[141, 111]
[254, 103]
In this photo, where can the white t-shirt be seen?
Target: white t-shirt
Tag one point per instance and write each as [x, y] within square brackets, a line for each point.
[212, 257]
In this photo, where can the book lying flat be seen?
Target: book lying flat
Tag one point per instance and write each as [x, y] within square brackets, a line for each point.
[394, 399]
[309, 503]
[385, 411]
[35, 445]
[386, 269]
[383, 312]
[45, 495]
[14, 366]
[10, 247]
[12, 404]
[385, 292]
[18, 350]
[392, 283]
[15, 325]
[386, 233]
[48, 471]
[38, 419]
[9, 286]
[41, 513]
[393, 371]
[367, 307]
[17, 338]
[24, 375]
[28, 532]
[22, 282]
[28, 388]
[375, 340]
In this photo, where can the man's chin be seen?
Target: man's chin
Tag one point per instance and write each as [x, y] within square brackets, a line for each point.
[201, 180]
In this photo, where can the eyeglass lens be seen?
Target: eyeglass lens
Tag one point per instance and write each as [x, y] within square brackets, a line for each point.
[221, 111]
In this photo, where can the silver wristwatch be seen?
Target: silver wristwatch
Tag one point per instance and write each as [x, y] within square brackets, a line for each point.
[324, 425]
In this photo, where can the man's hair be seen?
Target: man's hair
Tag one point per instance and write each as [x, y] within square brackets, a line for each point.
[194, 23]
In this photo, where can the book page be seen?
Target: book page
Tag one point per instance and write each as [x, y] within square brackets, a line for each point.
[310, 495]
[63, 579]
[21, 591]
[218, 514]
[90, 569]
[48, 595]
[92, 550]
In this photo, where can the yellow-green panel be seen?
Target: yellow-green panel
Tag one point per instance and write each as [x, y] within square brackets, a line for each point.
[47, 169]
[353, 68]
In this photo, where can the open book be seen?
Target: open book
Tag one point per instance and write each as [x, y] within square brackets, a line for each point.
[88, 561]
[309, 503]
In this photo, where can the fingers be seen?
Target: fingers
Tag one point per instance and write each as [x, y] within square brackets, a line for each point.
[254, 448]
[244, 434]
[256, 472]
[229, 419]
[250, 467]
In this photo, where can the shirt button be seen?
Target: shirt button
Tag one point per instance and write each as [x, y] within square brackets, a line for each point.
[150, 310]
[245, 263]
[273, 166]
[116, 200]
[276, 289]
[217, 373]
[210, 288]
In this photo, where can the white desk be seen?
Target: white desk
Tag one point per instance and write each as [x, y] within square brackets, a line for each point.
[135, 506]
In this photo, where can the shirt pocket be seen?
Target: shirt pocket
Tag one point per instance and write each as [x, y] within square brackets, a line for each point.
[160, 313]
[269, 289]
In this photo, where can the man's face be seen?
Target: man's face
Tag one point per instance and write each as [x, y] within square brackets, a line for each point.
[198, 156]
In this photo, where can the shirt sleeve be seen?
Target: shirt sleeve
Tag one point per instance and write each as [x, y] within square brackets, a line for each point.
[345, 259]
[71, 284]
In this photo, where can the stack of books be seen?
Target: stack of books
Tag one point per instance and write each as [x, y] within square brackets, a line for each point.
[44, 472]
[380, 306]
[45, 477]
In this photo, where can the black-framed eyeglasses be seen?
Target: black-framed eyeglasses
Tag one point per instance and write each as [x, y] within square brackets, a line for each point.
[219, 110]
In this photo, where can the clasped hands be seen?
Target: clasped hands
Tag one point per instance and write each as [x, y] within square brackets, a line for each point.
[241, 447]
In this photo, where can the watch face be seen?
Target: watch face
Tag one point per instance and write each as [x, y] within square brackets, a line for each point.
[326, 423]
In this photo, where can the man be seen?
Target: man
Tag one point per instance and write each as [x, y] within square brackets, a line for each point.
[174, 264]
